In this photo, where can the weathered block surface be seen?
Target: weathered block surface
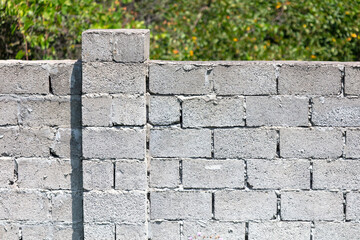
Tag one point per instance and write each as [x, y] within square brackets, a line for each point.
[219, 112]
[214, 230]
[9, 231]
[164, 110]
[352, 147]
[8, 111]
[100, 232]
[130, 175]
[245, 205]
[277, 111]
[338, 231]
[164, 230]
[66, 77]
[67, 143]
[98, 175]
[96, 110]
[352, 76]
[137, 232]
[65, 206]
[309, 206]
[246, 143]
[353, 206]
[7, 167]
[128, 110]
[164, 173]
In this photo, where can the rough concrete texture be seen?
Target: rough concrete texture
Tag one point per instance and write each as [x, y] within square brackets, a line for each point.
[310, 79]
[135, 231]
[214, 230]
[164, 230]
[278, 174]
[9, 232]
[336, 112]
[353, 206]
[130, 175]
[7, 175]
[98, 175]
[100, 232]
[352, 148]
[352, 75]
[66, 77]
[279, 230]
[277, 111]
[96, 110]
[180, 205]
[218, 112]
[311, 143]
[128, 110]
[245, 143]
[164, 173]
[67, 143]
[203, 173]
[65, 206]
[309, 206]
[164, 110]
[245, 205]
[9, 108]
[338, 231]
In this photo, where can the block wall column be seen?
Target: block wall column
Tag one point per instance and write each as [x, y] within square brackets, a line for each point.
[114, 135]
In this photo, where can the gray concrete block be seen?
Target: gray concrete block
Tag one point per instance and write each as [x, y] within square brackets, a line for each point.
[114, 206]
[8, 111]
[65, 77]
[352, 147]
[277, 111]
[279, 230]
[178, 78]
[353, 206]
[164, 230]
[338, 174]
[9, 231]
[67, 143]
[7, 167]
[34, 231]
[130, 175]
[245, 79]
[96, 110]
[338, 231]
[25, 142]
[20, 205]
[214, 230]
[278, 174]
[26, 77]
[309, 79]
[114, 78]
[164, 110]
[203, 173]
[245, 205]
[245, 143]
[128, 110]
[99, 231]
[311, 143]
[336, 112]
[120, 45]
[174, 142]
[66, 206]
[114, 143]
[164, 173]
[64, 232]
[219, 112]
[98, 175]
[135, 231]
[42, 173]
[310, 206]
[352, 76]
[173, 205]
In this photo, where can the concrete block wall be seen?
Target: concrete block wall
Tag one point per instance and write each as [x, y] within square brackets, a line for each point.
[117, 146]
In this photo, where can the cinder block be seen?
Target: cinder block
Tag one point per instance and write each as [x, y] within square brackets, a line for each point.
[164, 173]
[352, 76]
[66, 206]
[65, 232]
[176, 142]
[135, 231]
[113, 143]
[113, 206]
[17, 77]
[7, 167]
[353, 206]
[278, 174]
[173, 205]
[245, 143]
[36, 231]
[279, 230]
[336, 112]
[98, 174]
[8, 110]
[96, 110]
[311, 143]
[99, 231]
[220, 112]
[129, 110]
[44, 173]
[338, 174]
[309, 79]
[65, 77]
[277, 111]
[24, 205]
[203, 173]
[9, 231]
[179, 78]
[120, 45]
[310, 206]
[338, 231]
[164, 230]
[352, 147]
[214, 230]
[67, 144]
[25, 142]
[114, 78]
[245, 205]
[130, 175]
[245, 79]
[164, 110]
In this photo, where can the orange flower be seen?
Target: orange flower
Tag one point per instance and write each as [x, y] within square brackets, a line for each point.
[313, 56]
[227, 17]
[235, 39]
[194, 38]
[278, 5]
[191, 53]
[353, 35]
[348, 39]
[175, 51]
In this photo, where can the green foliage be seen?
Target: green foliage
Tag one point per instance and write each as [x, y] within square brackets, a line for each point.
[189, 30]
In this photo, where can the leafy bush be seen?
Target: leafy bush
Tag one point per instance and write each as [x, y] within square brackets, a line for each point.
[189, 30]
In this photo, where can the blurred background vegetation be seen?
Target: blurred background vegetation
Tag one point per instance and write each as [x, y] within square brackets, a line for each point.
[188, 29]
